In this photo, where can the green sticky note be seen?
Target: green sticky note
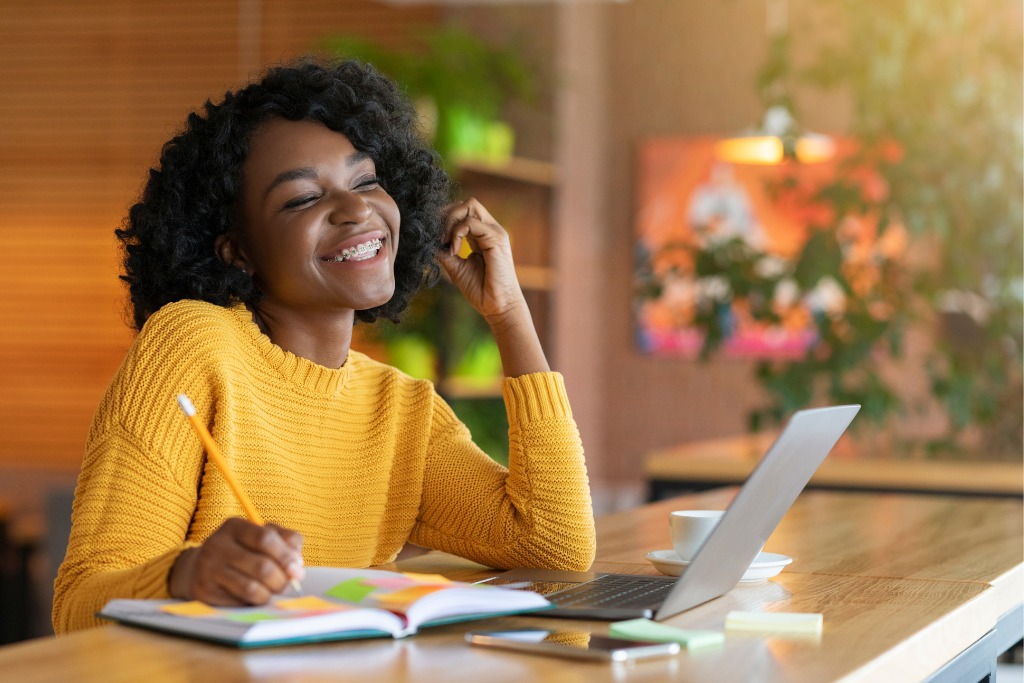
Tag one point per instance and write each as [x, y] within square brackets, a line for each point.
[645, 629]
[253, 617]
[353, 590]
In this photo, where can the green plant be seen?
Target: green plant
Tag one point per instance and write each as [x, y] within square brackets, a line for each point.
[468, 80]
[937, 92]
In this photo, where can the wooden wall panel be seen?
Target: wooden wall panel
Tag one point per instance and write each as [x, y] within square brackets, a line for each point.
[89, 90]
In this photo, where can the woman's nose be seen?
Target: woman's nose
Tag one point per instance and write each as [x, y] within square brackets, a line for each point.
[349, 207]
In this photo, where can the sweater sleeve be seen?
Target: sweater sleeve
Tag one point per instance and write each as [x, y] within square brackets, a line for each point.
[129, 522]
[537, 513]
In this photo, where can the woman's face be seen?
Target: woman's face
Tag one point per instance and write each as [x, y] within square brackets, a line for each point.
[318, 234]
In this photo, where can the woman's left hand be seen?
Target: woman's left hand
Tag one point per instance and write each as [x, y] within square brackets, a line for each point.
[487, 277]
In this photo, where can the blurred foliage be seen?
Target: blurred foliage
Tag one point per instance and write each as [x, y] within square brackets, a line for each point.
[454, 69]
[936, 90]
[487, 422]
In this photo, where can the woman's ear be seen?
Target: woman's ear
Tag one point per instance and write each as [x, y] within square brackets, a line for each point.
[230, 252]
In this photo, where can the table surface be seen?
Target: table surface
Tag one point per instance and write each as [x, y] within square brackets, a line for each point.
[730, 460]
[904, 583]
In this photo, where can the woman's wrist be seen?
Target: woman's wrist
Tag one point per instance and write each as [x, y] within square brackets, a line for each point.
[518, 344]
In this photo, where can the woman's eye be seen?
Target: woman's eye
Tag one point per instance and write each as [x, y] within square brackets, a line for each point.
[300, 201]
[368, 183]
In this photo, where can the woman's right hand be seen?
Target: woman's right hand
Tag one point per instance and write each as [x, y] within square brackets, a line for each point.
[241, 563]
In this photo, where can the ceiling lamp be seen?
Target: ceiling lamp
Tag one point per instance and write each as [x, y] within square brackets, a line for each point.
[777, 140]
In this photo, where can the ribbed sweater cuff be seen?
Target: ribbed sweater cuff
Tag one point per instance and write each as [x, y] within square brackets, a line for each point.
[535, 397]
[151, 581]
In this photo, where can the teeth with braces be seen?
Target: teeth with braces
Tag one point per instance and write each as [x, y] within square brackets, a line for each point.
[360, 252]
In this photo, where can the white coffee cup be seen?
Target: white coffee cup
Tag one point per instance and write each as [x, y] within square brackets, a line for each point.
[690, 528]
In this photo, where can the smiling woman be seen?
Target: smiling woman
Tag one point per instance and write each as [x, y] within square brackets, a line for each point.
[318, 235]
[275, 220]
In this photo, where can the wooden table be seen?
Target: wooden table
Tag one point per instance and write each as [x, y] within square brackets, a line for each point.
[907, 585]
[714, 463]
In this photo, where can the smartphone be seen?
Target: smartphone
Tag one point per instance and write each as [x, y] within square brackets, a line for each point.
[573, 644]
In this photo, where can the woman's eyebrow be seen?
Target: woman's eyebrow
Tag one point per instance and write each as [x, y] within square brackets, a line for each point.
[356, 158]
[304, 173]
[310, 173]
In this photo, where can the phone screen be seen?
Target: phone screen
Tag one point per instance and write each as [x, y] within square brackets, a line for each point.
[575, 644]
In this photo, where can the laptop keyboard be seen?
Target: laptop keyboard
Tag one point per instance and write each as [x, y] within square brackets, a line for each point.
[615, 591]
[543, 587]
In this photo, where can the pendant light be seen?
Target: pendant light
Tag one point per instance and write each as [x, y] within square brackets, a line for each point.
[778, 139]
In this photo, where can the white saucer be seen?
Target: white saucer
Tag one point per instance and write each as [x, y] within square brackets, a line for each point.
[764, 566]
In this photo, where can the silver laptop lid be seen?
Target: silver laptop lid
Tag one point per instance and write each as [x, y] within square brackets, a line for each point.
[759, 506]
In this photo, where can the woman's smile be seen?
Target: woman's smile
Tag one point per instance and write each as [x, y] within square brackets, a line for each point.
[360, 252]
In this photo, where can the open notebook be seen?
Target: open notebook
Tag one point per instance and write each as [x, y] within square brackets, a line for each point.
[339, 604]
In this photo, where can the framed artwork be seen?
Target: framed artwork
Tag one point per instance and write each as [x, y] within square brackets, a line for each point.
[714, 242]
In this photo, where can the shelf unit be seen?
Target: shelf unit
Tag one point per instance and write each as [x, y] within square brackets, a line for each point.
[533, 171]
[520, 195]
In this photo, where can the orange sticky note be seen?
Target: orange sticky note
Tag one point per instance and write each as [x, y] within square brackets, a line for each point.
[406, 596]
[193, 608]
[308, 603]
[426, 578]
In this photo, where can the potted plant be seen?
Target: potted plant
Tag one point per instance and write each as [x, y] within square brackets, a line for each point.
[460, 83]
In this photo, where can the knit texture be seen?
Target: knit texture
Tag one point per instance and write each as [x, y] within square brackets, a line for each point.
[358, 459]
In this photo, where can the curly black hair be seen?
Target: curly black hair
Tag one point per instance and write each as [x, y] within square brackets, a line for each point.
[192, 196]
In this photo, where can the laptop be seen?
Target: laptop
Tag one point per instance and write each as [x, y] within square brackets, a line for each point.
[727, 553]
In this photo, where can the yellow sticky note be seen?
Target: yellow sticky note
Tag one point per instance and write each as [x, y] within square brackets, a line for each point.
[426, 578]
[406, 596]
[193, 608]
[800, 623]
[308, 603]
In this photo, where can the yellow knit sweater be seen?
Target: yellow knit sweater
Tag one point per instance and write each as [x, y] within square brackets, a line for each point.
[359, 460]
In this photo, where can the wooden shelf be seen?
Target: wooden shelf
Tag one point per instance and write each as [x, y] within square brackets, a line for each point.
[523, 170]
[536, 277]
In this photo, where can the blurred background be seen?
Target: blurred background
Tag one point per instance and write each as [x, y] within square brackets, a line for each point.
[876, 229]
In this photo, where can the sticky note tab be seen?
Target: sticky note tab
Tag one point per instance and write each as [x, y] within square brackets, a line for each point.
[388, 581]
[801, 623]
[309, 603]
[406, 596]
[193, 608]
[427, 578]
[353, 590]
[645, 629]
[254, 617]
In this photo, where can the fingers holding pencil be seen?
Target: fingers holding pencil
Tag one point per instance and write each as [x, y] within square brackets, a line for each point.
[280, 545]
[241, 563]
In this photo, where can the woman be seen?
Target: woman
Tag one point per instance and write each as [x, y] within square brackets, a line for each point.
[275, 220]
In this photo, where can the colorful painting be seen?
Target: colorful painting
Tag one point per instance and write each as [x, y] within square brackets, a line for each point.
[714, 245]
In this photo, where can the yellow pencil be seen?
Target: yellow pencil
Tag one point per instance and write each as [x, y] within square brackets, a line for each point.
[214, 452]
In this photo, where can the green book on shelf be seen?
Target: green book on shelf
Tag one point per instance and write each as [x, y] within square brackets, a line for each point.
[338, 604]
